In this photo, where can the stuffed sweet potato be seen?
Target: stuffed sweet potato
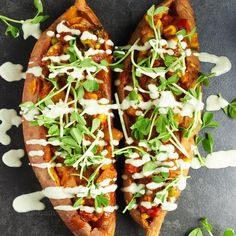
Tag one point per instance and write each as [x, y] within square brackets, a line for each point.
[160, 99]
[67, 121]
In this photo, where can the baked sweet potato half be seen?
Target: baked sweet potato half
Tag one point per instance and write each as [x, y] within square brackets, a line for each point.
[160, 97]
[67, 121]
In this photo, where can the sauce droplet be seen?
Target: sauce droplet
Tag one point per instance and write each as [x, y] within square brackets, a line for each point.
[8, 118]
[12, 158]
[11, 72]
[29, 202]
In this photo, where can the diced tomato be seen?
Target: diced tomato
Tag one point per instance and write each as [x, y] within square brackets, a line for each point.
[86, 216]
[45, 89]
[184, 24]
[153, 212]
[167, 19]
[131, 169]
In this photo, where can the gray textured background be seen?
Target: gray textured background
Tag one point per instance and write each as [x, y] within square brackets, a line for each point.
[210, 193]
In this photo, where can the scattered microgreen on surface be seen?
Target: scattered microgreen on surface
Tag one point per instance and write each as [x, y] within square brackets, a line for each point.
[206, 226]
[15, 31]
[230, 110]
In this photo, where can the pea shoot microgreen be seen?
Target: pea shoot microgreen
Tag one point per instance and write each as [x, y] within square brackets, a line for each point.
[15, 31]
[196, 232]
[133, 201]
[206, 226]
[229, 232]
[208, 143]
[230, 110]
[184, 33]
[101, 201]
[208, 122]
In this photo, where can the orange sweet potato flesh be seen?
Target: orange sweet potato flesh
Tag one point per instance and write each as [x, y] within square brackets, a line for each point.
[79, 227]
[183, 10]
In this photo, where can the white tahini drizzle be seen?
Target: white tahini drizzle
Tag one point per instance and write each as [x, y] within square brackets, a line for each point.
[133, 188]
[43, 142]
[56, 110]
[223, 64]
[62, 28]
[36, 71]
[11, 72]
[50, 33]
[217, 160]
[12, 158]
[30, 29]
[221, 159]
[215, 103]
[46, 165]
[57, 59]
[29, 202]
[38, 153]
[8, 117]
[87, 209]
[88, 36]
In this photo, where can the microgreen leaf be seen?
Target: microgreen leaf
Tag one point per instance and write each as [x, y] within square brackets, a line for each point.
[207, 121]
[207, 226]
[204, 79]
[101, 201]
[162, 195]
[151, 11]
[150, 166]
[141, 127]
[91, 85]
[161, 10]
[229, 232]
[77, 135]
[130, 205]
[13, 31]
[39, 19]
[196, 232]
[190, 35]
[182, 32]
[53, 130]
[155, 143]
[80, 92]
[208, 143]
[169, 60]
[133, 95]
[165, 174]
[104, 63]
[159, 179]
[38, 5]
[198, 140]
[161, 124]
[78, 202]
[69, 141]
[173, 79]
[95, 125]
[230, 110]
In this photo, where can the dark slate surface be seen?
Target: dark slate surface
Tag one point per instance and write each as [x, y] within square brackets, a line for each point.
[210, 193]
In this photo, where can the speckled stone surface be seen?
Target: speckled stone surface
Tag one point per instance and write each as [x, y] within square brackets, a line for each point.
[210, 193]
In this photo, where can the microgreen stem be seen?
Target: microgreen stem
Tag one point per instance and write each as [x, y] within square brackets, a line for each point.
[120, 112]
[5, 18]
[110, 133]
[120, 151]
[152, 125]
[177, 142]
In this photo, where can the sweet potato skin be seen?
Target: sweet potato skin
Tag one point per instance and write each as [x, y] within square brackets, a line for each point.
[31, 93]
[183, 10]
